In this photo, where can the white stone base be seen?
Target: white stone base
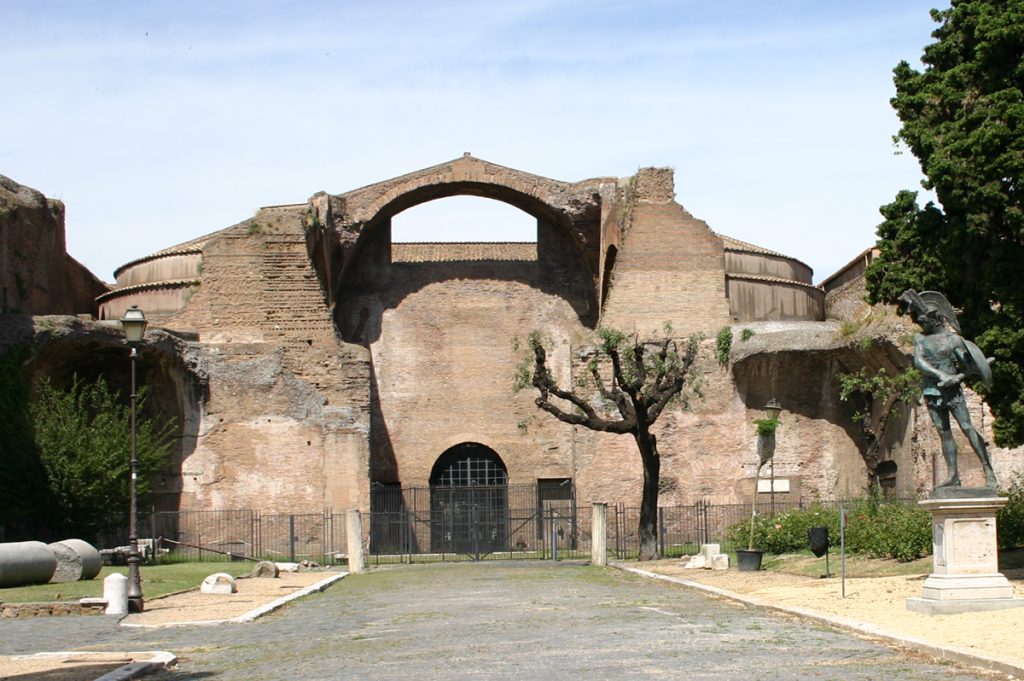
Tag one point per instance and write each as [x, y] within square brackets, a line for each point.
[966, 587]
[930, 606]
[965, 573]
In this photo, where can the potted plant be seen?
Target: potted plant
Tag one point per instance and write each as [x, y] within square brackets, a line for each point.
[749, 560]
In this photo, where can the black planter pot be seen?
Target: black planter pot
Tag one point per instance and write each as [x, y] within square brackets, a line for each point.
[748, 560]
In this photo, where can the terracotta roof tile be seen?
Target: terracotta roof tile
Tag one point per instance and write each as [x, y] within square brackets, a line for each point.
[460, 252]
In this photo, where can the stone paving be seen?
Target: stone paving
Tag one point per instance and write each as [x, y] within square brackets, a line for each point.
[498, 620]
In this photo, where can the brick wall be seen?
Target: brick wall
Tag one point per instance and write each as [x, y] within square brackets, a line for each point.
[37, 276]
[670, 266]
[286, 423]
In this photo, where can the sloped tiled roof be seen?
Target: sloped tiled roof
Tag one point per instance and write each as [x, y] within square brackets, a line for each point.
[193, 246]
[732, 244]
[770, 279]
[148, 286]
[460, 252]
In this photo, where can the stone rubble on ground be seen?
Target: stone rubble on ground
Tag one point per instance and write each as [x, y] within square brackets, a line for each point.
[219, 583]
[709, 558]
[264, 568]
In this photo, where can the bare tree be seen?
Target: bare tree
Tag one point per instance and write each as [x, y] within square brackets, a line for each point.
[645, 377]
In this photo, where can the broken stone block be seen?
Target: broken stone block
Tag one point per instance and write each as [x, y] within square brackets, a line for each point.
[69, 564]
[264, 568]
[709, 551]
[219, 583]
[696, 562]
[92, 562]
[720, 562]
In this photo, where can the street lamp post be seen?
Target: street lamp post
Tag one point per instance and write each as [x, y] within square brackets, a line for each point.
[134, 325]
[772, 411]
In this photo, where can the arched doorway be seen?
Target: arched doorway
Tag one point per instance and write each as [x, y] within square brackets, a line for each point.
[469, 501]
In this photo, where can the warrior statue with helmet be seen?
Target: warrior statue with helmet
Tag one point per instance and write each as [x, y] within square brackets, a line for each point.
[945, 359]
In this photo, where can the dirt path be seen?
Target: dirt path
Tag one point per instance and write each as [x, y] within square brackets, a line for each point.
[190, 607]
[878, 601]
[193, 607]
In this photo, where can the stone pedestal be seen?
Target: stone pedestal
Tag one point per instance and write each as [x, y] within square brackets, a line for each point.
[965, 569]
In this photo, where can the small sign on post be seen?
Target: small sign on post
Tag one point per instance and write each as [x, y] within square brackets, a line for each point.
[842, 547]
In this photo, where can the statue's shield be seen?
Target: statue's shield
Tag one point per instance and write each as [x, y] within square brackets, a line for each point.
[975, 364]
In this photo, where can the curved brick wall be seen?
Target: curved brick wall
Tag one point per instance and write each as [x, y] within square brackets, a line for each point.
[764, 285]
[160, 284]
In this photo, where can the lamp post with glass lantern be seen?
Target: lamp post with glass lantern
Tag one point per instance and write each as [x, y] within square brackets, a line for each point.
[134, 325]
[772, 411]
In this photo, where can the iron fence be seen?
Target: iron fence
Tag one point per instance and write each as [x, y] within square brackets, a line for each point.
[682, 529]
[476, 522]
[449, 524]
[293, 537]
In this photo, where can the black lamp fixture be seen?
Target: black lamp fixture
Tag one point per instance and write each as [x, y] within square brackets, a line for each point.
[134, 325]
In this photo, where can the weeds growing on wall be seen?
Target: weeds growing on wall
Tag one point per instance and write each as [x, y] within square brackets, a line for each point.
[723, 345]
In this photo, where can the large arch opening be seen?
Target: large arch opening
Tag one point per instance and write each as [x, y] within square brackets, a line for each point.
[440, 317]
[459, 232]
[440, 323]
[469, 501]
[469, 464]
[463, 219]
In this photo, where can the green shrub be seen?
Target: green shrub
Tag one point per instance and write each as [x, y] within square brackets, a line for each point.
[874, 528]
[889, 530]
[1010, 521]
[786, 532]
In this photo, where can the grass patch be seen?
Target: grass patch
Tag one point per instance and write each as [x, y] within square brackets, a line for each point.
[157, 580]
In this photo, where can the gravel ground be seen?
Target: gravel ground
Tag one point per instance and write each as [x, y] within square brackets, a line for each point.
[194, 606]
[878, 601]
[500, 620]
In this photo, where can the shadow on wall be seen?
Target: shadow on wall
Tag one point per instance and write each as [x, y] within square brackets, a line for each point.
[807, 383]
[375, 284]
[383, 464]
[175, 394]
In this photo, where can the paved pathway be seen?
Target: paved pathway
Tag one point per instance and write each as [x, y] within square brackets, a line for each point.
[504, 620]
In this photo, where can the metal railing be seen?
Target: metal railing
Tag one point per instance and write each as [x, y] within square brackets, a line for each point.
[291, 537]
[416, 526]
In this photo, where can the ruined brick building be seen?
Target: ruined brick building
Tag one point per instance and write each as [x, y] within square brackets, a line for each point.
[310, 361]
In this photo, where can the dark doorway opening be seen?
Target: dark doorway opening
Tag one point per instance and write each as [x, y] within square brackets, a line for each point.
[469, 501]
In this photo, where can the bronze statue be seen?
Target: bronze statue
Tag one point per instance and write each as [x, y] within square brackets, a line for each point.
[945, 359]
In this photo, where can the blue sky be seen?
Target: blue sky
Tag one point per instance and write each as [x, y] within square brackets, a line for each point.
[156, 122]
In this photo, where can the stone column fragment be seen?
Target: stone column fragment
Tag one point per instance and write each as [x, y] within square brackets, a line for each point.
[599, 534]
[354, 536]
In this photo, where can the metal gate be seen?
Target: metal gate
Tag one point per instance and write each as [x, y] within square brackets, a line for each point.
[471, 522]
